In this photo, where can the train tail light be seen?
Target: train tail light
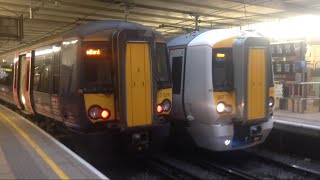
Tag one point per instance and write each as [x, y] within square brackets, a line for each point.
[165, 106]
[159, 108]
[96, 112]
[105, 114]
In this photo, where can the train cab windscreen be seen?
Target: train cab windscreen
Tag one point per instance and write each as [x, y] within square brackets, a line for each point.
[162, 63]
[222, 69]
[97, 66]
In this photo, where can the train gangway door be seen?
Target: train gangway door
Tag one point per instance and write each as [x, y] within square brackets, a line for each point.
[256, 83]
[138, 84]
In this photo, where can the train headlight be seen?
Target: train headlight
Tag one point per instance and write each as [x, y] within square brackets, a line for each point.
[94, 112]
[221, 107]
[166, 105]
[271, 101]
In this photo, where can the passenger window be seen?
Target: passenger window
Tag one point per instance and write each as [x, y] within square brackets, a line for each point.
[42, 70]
[56, 69]
[6, 70]
[69, 67]
[176, 74]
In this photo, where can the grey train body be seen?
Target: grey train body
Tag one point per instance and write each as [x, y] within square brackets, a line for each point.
[196, 92]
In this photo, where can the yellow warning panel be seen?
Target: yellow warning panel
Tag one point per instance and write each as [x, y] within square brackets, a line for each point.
[256, 83]
[138, 84]
[271, 91]
[105, 101]
[162, 95]
[226, 43]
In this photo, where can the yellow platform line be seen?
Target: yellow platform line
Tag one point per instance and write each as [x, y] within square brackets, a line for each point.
[42, 154]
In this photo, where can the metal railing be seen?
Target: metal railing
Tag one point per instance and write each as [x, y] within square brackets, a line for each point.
[302, 96]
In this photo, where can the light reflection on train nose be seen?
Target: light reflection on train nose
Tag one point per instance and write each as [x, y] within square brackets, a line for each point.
[227, 142]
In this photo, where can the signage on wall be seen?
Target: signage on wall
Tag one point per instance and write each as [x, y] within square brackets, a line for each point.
[298, 77]
[278, 90]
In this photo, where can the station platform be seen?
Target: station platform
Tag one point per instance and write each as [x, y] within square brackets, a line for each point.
[27, 152]
[303, 123]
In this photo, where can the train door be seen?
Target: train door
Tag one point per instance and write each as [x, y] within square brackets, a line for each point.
[16, 82]
[138, 84]
[256, 83]
[177, 64]
[21, 85]
[250, 57]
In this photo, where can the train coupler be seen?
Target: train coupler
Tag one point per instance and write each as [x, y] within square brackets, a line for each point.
[140, 140]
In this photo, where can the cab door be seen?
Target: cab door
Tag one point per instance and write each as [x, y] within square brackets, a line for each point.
[256, 83]
[138, 84]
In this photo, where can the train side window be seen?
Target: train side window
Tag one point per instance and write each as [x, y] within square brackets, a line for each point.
[56, 69]
[176, 74]
[6, 70]
[69, 67]
[42, 70]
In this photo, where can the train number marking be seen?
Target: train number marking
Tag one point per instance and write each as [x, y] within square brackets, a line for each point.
[164, 95]
[224, 96]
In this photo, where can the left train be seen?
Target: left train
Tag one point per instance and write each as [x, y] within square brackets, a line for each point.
[102, 76]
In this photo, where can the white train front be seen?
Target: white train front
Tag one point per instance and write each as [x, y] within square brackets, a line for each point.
[223, 87]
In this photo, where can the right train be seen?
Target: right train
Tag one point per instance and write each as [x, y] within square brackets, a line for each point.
[223, 87]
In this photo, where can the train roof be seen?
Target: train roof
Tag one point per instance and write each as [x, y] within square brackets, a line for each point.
[99, 26]
[184, 40]
[208, 37]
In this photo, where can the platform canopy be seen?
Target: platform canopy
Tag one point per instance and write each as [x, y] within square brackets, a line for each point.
[45, 18]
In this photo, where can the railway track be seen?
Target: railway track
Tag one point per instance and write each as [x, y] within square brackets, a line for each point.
[260, 167]
[175, 169]
[169, 171]
[181, 167]
[228, 172]
[219, 169]
[246, 165]
[296, 167]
